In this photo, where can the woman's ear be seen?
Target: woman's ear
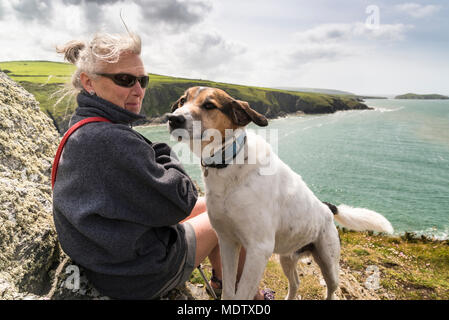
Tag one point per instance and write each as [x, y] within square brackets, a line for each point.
[86, 82]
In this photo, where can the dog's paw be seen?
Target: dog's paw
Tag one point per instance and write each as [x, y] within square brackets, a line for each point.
[333, 297]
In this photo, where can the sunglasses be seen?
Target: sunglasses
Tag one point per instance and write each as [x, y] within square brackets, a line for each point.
[126, 80]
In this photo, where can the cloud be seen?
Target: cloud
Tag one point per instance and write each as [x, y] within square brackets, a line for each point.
[208, 51]
[340, 32]
[172, 14]
[100, 2]
[333, 42]
[175, 14]
[417, 10]
[312, 52]
[29, 10]
[197, 54]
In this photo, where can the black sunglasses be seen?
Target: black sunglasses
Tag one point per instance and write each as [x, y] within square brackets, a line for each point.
[125, 79]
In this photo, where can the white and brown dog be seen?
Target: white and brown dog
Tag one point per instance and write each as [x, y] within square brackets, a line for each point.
[255, 200]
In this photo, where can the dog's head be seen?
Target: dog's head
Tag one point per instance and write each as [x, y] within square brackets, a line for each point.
[212, 108]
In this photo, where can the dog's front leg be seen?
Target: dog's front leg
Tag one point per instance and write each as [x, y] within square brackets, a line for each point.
[229, 252]
[255, 263]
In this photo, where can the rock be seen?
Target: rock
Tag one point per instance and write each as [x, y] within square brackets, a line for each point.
[188, 291]
[70, 283]
[28, 142]
[352, 289]
[349, 287]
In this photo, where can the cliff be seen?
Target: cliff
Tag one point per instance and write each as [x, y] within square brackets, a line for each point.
[45, 80]
[270, 102]
[28, 142]
[161, 95]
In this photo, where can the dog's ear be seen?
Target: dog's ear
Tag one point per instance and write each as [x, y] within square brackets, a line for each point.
[242, 114]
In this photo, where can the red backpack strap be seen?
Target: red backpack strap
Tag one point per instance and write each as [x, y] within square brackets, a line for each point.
[69, 132]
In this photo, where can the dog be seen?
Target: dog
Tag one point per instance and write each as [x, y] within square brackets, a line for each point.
[254, 200]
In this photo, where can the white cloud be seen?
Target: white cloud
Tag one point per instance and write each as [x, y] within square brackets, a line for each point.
[309, 53]
[209, 50]
[200, 53]
[417, 10]
[176, 15]
[352, 31]
[333, 42]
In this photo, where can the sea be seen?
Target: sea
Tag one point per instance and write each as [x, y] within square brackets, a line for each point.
[393, 159]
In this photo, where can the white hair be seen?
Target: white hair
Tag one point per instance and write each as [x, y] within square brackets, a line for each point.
[104, 47]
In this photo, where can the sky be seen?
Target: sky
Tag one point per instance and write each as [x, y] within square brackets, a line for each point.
[370, 47]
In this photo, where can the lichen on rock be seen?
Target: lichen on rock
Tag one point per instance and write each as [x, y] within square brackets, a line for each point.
[28, 142]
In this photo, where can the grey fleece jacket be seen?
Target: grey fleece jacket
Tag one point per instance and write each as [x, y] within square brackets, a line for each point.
[117, 201]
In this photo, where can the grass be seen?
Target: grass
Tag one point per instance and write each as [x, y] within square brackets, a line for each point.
[409, 269]
[42, 72]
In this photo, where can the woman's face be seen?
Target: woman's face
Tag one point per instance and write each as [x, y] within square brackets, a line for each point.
[127, 98]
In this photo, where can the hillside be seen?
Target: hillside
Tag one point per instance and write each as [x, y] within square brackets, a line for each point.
[45, 80]
[422, 96]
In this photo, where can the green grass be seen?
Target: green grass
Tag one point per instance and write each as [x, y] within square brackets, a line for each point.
[410, 268]
[41, 72]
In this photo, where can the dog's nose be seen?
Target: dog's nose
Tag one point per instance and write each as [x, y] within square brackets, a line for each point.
[176, 120]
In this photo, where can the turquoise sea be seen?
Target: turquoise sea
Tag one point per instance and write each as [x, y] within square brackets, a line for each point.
[394, 159]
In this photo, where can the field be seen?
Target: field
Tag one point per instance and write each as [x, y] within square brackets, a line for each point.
[41, 72]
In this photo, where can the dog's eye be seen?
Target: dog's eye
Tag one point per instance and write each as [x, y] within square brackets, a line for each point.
[182, 101]
[209, 106]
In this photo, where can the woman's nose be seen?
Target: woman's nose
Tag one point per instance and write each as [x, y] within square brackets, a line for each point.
[137, 88]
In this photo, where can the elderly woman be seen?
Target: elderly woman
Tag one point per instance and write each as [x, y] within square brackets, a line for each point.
[118, 198]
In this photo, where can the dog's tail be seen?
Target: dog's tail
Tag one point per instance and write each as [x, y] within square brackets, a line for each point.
[360, 219]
